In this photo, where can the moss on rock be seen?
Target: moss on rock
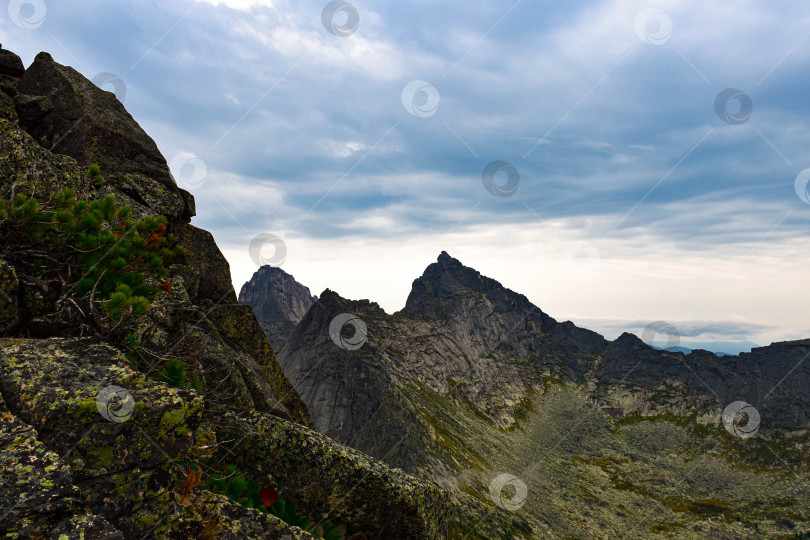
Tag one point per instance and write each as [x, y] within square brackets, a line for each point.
[327, 480]
[9, 291]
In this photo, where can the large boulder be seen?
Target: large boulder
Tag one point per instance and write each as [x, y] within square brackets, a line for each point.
[68, 469]
[90, 124]
[334, 482]
[54, 385]
[10, 64]
[68, 114]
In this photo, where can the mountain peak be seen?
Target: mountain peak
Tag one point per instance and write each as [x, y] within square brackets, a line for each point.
[332, 302]
[278, 301]
[447, 281]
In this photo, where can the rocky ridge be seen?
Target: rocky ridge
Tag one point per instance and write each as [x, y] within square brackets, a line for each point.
[477, 372]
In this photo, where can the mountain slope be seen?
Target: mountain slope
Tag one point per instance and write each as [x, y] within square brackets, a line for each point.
[471, 380]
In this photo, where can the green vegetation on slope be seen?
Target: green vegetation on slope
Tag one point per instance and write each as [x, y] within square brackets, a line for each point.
[589, 475]
[74, 252]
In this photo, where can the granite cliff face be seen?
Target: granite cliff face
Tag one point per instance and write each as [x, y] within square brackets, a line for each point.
[471, 380]
[460, 333]
[278, 301]
[73, 464]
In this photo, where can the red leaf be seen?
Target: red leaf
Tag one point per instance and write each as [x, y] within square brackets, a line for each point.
[167, 287]
[161, 229]
[269, 496]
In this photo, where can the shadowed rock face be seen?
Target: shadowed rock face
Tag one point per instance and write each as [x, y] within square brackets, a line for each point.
[10, 64]
[355, 391]
[278, 301]
[90, 124]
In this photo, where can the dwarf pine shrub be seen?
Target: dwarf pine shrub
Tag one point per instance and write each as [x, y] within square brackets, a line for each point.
[92, 249]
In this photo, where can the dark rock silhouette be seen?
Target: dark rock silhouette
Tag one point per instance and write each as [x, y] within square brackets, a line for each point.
[10, 64]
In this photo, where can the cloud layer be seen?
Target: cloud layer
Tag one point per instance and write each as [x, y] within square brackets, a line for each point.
[637, 194]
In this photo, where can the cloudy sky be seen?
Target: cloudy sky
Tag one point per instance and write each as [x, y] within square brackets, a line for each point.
[619, 162]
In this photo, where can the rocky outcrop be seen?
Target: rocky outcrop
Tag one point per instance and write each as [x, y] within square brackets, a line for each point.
[10, 64]
[91, 125]
[336, 482]
[69, 469]
[75, 467]
[278, 301]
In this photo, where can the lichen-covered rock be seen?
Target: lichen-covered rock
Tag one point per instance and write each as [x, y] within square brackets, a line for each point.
[335, 482]
[82, 474]
[234, 521]
[27, 167]
[56, 384]
[36, 485]
[37, 496]
[9, 290]
[7, 111]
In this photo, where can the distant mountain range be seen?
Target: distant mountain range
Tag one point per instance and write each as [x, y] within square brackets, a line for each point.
[471, 381]
[720, 348]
